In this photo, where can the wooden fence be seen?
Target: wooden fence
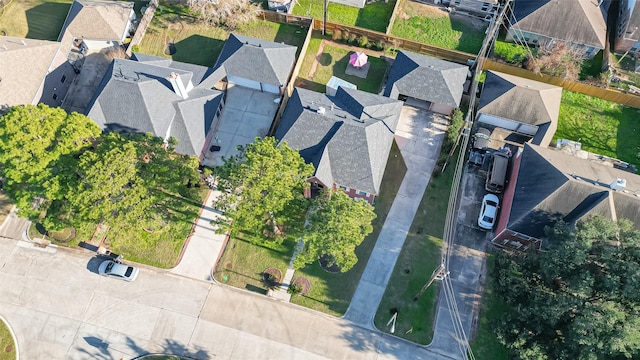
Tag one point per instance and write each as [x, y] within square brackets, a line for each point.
[288, 91]
[142, 26]
[617, 96]
[393, 17]
[372, 36]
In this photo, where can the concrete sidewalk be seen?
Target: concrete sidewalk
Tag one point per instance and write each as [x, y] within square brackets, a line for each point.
[419, 136]
[205, 245]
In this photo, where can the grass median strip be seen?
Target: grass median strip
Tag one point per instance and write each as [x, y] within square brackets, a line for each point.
[420, 255]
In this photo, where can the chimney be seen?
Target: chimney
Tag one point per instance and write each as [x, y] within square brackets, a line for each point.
[178, 86]
[618, 184]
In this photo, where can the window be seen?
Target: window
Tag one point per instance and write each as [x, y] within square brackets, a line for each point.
[55, 96]
[64, 77]
[342, 187]
[363, 193]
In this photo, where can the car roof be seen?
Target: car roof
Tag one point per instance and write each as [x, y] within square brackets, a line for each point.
[119, 269]
[491, 197]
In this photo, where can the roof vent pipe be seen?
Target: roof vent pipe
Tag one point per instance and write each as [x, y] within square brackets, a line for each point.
[618, 184]
[321, 110]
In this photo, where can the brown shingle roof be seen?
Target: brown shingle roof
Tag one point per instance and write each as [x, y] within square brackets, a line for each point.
[97, 20]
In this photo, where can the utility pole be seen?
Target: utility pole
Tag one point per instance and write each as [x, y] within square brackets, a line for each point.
[438, 274]
[324, 17]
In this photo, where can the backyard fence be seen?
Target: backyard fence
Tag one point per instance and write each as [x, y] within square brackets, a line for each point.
[393, 17]
[617, 96]
[288, 90]
[372, 36]
[142, 26]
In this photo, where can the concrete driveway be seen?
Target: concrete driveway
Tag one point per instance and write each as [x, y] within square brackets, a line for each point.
[419, 136]
[60, 309]
[246, 114]
[466, 266]
[14, 226]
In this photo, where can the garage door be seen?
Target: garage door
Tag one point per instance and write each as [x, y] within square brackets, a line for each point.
[244, 82]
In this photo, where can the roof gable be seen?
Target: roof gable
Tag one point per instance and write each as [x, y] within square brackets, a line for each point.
[24, 63]
[426, 78]
[577, 21]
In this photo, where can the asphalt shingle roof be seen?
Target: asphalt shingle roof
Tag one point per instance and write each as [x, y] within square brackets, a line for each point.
[255, 59]
[349, 144]
[577, 21]
[552, 185]
[522, 100]
[97, 20]
[426, 78]
[138, 97]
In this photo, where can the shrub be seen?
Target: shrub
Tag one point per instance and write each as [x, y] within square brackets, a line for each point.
[561, 60]
[337, 35]
[510, 52]
[363, 41]
[352, 38]
[295, 289]
[457, 121]
[135, 48]
[345, 36]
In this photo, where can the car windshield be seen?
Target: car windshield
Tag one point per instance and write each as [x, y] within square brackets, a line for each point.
[109, 267]
[492, 203]
[487, 219]
[128, 272]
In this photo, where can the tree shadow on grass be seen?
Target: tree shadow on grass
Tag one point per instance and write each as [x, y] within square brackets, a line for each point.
[198, 49]
[45, 21]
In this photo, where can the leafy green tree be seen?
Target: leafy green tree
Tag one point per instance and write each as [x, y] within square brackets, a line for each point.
[35, 142]
[579, 300]
[263, 188]
[336, 225]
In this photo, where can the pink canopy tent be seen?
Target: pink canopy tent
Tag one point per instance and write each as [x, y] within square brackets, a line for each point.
[358, 59]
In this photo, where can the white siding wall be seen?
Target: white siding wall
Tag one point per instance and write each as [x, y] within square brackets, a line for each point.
[508, 124]
[244, 82]
[271, 88]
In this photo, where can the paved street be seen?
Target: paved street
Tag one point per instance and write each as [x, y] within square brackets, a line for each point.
[60, 308]
[419, 136]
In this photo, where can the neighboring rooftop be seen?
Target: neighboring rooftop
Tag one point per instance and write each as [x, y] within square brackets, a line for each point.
[255, 59]
[24, 63]
[426, 78]
[346, 137]
[139, 97]
[522, 100]
[552, 185]
[577, 21]
[97, 20]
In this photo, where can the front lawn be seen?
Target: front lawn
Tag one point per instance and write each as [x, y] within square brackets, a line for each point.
[7, 346]
[34, 19]
[374, 16]
[603, 127]
[431, 25]
[485, 344]
[419, 257]
[198, 43]
[332, 293]
[333, 62]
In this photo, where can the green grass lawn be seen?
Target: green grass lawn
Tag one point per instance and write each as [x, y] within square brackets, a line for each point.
[485, 344]
[199, 43]
[374, 16]
[243, 262]
[333, 62]
[332, 293]
[603, 127]
[35, 19]
[510, 52]
[430, 25]
[6, 341]
[5, 207]
[419, 257]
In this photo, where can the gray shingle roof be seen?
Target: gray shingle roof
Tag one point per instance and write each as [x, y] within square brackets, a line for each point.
[578, 21]
[138, 97]
[522, 100]
[426, 78]
[552, 185]
[349, 144]
[255, 59]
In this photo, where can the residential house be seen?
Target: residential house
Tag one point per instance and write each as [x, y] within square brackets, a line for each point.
[426, 82]
[26, 65]
[627, 32]
[520, 105]
[98, 23]
[549, 185]
[255, 63]
[159, 96]
[581, 23]
[347, 138]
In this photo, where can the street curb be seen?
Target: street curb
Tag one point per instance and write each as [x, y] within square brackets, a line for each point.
[13, 335]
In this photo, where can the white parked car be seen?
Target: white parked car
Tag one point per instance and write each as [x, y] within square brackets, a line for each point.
[116, 270]
[488, 212]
